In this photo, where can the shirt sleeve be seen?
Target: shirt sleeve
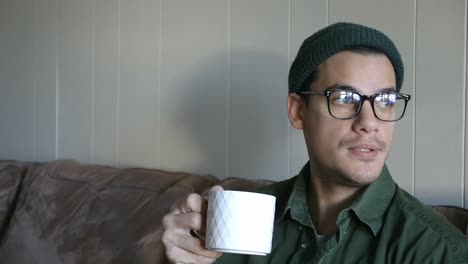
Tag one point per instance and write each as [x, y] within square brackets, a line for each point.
[227, 258]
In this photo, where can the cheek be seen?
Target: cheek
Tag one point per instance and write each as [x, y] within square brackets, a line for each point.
[388, 132]
[327, 133]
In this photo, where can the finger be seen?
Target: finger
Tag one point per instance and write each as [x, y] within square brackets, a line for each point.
[192, 203]
[214, 188]
[195, 225]
[178, 255]
[184, 222]
[192, 245]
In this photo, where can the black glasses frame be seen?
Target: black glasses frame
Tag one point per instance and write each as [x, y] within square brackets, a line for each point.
[370, 98]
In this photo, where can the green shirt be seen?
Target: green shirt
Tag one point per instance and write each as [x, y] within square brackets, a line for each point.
[385, 225]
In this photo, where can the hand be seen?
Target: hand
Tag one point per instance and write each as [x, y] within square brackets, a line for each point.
[187, 215]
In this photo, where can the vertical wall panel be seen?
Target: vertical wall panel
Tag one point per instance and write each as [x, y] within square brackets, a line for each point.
[16, 80]
[439, 101]
[75, 83]
[395, 19]
[138, 101]
[194, 90]
[45, 75]
[106, 43]
[307, 17]
[258, 87]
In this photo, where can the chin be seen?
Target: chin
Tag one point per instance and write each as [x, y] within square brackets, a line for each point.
[363, 174]
[368, 177]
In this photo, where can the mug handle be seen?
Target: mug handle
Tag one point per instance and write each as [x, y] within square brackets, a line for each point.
[195, 233]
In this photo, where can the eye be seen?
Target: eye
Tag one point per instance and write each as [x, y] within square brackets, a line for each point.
[386, 100]
[345, 97]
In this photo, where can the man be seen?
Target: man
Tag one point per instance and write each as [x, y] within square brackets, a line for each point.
[343, 207]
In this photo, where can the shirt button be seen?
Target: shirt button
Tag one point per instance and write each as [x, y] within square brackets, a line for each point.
[303, 245]
[300, 227]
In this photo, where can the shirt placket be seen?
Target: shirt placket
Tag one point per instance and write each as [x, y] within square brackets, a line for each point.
[305, 244]
[324, 254]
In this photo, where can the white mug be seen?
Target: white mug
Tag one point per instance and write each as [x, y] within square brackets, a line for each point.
[240, 222]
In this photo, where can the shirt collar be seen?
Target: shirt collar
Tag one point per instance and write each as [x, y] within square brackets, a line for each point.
[295, 198]
[369, 208]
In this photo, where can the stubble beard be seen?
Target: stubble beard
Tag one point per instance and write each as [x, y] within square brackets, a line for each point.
[355, 170]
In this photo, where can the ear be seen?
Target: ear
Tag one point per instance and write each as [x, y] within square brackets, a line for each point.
[296, 108]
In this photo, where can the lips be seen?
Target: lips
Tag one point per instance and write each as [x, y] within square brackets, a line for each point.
[364, 150]
[365, 147]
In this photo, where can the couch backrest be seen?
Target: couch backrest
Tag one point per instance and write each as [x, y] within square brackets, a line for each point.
[11, 175]
[72, 213]
[458, 216]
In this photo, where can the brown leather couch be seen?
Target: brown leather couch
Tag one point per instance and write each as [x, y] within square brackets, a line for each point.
[66, 212]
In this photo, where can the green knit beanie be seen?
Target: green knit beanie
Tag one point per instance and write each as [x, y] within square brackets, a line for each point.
[332, 39]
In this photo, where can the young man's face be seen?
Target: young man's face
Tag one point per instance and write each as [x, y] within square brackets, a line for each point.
[347, 152]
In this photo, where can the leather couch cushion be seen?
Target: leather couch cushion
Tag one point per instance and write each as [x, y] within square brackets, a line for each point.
[458, 216]
[70, 213]
[11, 174]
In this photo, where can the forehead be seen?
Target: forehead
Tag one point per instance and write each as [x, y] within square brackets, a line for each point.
[368, 73]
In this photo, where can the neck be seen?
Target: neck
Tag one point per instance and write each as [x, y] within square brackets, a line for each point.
[326, 200]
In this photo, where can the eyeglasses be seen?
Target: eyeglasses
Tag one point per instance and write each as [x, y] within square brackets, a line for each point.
[346, 104]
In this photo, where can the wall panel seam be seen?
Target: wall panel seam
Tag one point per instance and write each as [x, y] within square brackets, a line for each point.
[57, 79]
[35, 122]
[464, 107]
[415, 29]
[34, 74]
[93, 81]
[228, 86]
[160, 52]
[289, 63]
[327, 18]
[155, 88]
[117, 105]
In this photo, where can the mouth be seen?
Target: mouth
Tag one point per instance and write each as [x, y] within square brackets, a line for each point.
[364, 150]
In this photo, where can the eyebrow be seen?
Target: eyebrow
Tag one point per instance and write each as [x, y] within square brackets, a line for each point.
[354, 89]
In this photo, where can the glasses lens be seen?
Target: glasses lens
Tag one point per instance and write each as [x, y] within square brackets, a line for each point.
[389, 106]
[344, 104]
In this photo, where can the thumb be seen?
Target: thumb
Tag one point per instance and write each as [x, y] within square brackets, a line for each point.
[215, 188]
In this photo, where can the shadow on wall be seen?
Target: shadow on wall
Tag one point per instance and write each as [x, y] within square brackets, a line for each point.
[212, 111]
[432, 196]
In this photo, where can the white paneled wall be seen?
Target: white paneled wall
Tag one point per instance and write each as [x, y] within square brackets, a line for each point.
[194, 89]
[17, 84]
[440, 84]
[258, 130]
[138, 82]
[75, 78]
[200, 86]
[45, 89]
[106, 83]
[306, 17]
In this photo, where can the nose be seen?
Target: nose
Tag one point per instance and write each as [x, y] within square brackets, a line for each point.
[365, 122]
